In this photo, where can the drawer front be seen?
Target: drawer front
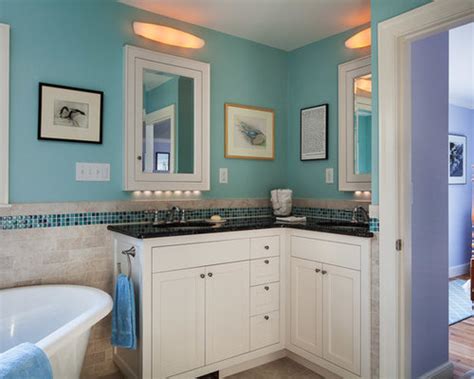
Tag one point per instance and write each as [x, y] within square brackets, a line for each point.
[336, 253]
[264, 298]
[167, 258]
[264, 247]
[264, 330]
[264, 270]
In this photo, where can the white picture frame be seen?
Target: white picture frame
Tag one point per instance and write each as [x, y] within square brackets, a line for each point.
[4, 111]
[457, 164]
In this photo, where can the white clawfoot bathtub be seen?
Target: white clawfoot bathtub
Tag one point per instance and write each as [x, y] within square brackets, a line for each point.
[57, 318]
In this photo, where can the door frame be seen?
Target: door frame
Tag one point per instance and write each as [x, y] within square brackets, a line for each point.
[395, 36]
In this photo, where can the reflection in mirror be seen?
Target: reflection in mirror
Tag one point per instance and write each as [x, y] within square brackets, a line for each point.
[168, 123]
[362, 124]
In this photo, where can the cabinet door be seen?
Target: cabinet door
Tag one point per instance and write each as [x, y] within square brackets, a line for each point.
[341, 317]
[306, 305]
[178, 321]
[227, 311]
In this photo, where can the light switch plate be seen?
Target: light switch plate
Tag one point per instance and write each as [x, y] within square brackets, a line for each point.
[92, 172]
[329, 175]
[223, 176]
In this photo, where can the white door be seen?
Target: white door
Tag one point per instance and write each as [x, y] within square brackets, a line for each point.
[341, 317]
[178, 321]
[227, 311]
[306, 305]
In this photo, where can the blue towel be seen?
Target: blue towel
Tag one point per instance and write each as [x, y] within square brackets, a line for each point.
[25, 361]
[124, 332]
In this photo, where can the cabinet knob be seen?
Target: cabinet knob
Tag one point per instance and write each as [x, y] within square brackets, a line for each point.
[202, 276]
[266, 288]
[266, 261]
[266, 247]
[267, 317]
[324, 272]
[210, 275]
[139, 157]
[317, 270]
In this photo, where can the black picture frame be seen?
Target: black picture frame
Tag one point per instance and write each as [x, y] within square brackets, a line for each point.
[459, 140]
[100, 94]
[326, 124]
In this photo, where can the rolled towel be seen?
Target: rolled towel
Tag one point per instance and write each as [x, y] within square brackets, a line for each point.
[25, 361]
[124, 333]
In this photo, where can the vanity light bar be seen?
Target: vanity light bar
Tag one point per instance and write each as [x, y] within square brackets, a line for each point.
[167, 35]
[166, 193]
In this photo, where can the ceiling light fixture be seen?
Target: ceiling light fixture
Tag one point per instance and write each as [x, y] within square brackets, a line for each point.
[359, 40]
[167, 35]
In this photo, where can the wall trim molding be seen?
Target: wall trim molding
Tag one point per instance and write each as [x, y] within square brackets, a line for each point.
[444, 371]
[459, 270]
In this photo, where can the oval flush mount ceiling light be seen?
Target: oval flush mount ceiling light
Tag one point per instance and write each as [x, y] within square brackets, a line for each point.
[167, 35]
[359, 40]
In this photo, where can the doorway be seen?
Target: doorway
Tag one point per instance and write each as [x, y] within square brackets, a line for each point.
[404, 352]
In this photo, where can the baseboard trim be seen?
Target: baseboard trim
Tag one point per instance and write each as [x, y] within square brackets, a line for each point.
[459, 270]
[445, 371]
[247, 365]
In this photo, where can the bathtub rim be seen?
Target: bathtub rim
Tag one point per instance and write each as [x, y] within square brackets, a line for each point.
[66, 333]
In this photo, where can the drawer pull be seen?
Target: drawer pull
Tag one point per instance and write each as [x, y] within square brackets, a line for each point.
[266, 261]
[202, 276]
[324, 272]
[267, 247]
[267, 317]
[317, 270]
[210, 275]
[266, 288]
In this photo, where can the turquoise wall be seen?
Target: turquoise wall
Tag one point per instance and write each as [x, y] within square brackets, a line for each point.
[80, 43]
[382, 10]
[312, 80]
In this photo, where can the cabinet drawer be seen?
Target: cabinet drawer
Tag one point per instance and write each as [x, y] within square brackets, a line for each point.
[264, 330]
[336, 253]
[176, 257]
[264, 298]
[264, 270]
[264, 247]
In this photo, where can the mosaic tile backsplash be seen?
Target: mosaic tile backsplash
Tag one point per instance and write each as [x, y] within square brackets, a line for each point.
[97, 218]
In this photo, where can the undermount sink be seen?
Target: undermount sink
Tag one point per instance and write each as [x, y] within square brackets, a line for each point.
[184, 225]
[344, 224]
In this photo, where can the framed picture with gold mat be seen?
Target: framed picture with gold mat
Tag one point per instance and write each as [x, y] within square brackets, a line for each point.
[249, 132]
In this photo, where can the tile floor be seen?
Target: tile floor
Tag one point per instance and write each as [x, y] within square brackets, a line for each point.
[281, 369]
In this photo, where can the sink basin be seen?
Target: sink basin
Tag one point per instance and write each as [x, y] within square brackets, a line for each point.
[344, 224]
[184, 225]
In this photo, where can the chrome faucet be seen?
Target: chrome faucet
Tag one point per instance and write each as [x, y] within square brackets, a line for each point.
[362, 210]
[176, 214]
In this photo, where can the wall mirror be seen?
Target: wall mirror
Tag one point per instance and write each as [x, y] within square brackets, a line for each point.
[4, 110]
[355, 125]
[167, 122]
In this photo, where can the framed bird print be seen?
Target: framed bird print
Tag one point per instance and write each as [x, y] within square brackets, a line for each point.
[69, 114]
[249, 132]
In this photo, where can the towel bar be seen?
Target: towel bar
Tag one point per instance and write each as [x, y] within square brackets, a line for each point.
[128, 253]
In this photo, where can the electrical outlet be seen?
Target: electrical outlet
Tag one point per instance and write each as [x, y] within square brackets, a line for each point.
[92, 172]
[223, 176]
[329, 176]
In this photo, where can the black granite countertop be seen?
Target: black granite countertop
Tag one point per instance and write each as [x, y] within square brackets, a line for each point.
[142, 231]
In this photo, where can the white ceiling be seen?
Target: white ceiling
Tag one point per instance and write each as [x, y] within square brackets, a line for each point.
[152, 80]
[284, 24]
[461, 66]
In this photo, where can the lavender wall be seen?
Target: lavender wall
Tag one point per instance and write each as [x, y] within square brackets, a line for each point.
[430, 204]
[461, 122]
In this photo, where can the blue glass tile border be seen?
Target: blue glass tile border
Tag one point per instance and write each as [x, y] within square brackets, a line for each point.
[98, 218]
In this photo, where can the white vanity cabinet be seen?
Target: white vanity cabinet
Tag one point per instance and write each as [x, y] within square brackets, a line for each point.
[330, 301]
[218, 301]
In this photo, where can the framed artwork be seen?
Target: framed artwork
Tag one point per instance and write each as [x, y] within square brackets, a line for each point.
[163, 162]
[249, 132]
[69, 114]
[314, 133]
[457, 159]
